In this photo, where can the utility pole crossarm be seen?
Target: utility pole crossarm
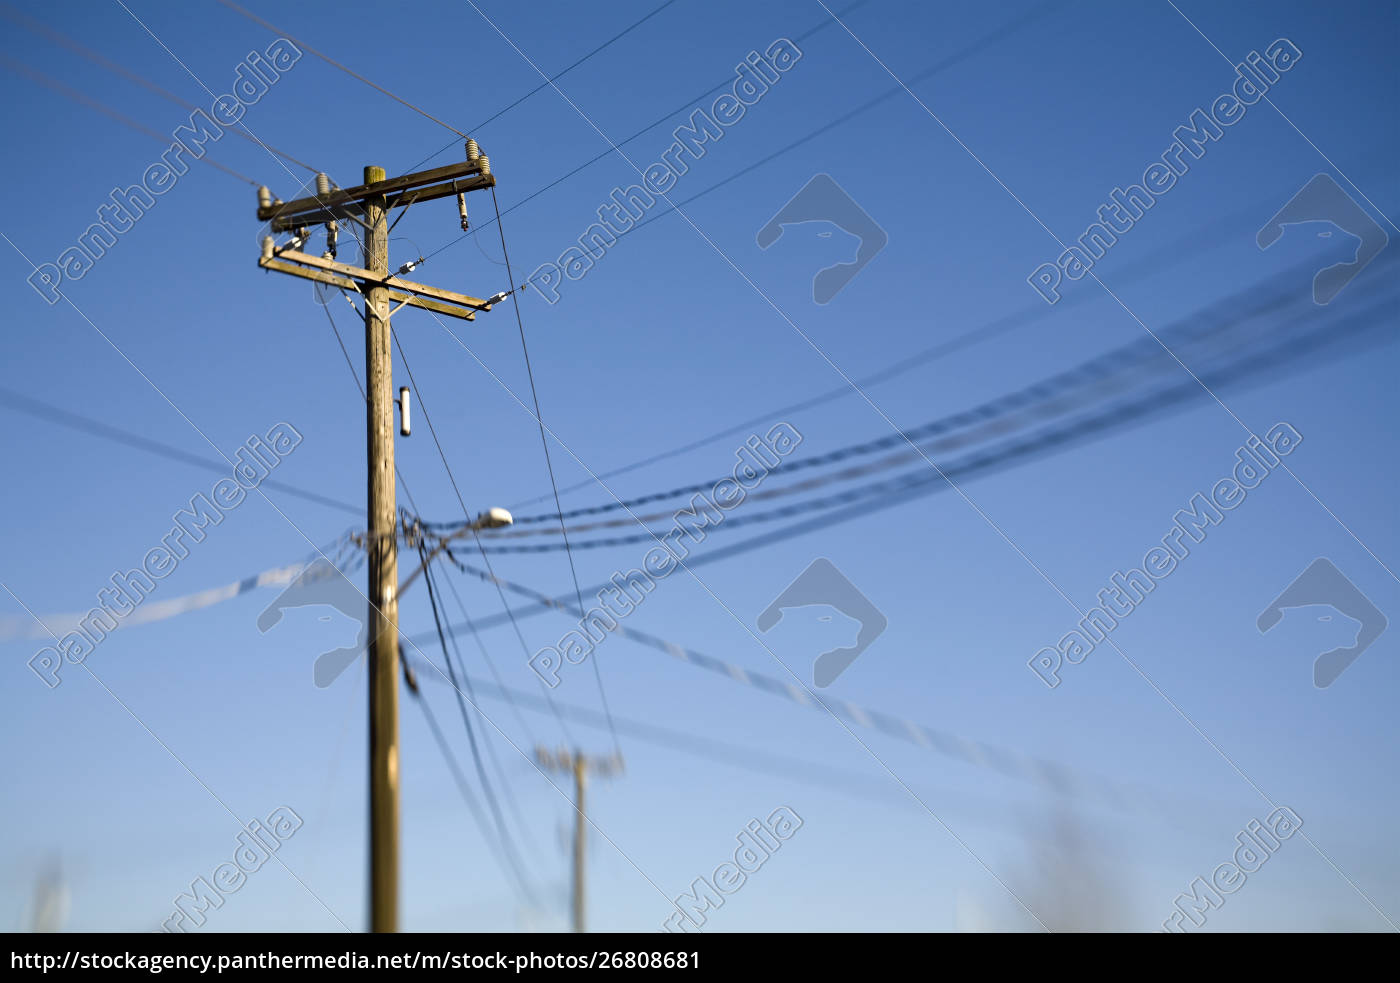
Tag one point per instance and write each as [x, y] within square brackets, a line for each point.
[349, 277]
[470, 175]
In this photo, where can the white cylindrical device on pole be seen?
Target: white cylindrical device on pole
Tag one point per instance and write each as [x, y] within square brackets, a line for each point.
[404, 401]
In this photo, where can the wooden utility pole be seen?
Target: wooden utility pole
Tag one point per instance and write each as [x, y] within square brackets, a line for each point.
[369, 205]
[579, 765]
[383, 576]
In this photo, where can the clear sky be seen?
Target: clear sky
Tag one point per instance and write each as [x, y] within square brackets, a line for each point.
[1035, 114]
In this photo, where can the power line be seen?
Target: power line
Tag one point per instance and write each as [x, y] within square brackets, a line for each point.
[507, 791]
[398, 474]
[502, 831]
[485, 652]
[1198, 337]
[331, 61]
[84, 100]
[544, 442]
[43, 30]
[452, 478]
[921, 477]
[335, 329]
[491, 664]
[1007, 761]
[465, 789]
[823, 130]
[575, 64]
[1152, 263]
[37, 408]
[1327, 342]
[747, 757]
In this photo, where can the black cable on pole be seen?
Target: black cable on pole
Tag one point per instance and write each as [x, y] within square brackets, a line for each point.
[346, 352]
[365, 396]
[507, 791]
[451, 477]
[548, 460]
[481, 647]
[465, 788]
[503, 831]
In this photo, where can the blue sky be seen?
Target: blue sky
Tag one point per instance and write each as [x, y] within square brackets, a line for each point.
[680, 330]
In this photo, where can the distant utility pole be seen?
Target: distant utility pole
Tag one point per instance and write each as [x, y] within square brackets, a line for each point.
[580, 765]
[369, 206]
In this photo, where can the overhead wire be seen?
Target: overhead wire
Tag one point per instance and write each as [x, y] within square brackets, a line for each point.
[824, 130]
[1151, 263]
[922, 477]
[753, 758]
[1010, 762]
[355, 375]
[1329, 341]
[332, 62]
[91, 103]
[502, 830]
[43, 30]
[40, 410]
[461, 501]
[485, 652]
[507, 846]
[548, 459]
[519, 815]
[1214, 332]
[551, 80]
[464, 788]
